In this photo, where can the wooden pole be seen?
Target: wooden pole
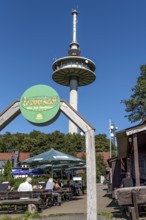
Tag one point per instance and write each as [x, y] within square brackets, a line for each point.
[136, 160]
[91, 176]
[90, 157]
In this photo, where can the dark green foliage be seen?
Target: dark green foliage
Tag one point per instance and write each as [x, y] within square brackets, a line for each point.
[100, 167]
[74, 143]
[136, 104]
[7, 168]
[101, 143]
[37, 142]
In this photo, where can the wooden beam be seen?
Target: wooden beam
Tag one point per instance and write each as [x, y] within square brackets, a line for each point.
[9, 114]
[136, 129]
[74, 116]
[134, 196]
[136, 160]
[90, 157]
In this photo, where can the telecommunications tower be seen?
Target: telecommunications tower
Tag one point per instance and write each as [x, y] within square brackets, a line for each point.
[73, 71]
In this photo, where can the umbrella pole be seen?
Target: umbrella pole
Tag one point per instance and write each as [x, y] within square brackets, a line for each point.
[61, 174]
[52, 170]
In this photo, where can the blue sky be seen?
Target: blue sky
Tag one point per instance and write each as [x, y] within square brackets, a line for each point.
[33, 33]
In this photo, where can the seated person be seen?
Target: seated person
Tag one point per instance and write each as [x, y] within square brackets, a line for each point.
[26, 186]
[36, 186]
[76, 189]
[50, 184]
[5, 186]
[57, 186]
[127, 181]
[68, 185]
[60, 183]
[56, 196]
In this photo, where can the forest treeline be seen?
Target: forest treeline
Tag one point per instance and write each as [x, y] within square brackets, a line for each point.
[37, 142]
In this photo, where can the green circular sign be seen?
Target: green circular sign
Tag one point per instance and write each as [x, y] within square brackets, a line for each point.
[40, 104]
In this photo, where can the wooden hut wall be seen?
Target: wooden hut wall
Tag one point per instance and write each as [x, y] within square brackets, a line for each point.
[142, 165]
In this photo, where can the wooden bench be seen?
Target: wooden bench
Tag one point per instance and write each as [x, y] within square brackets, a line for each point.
[40, 198]
[134, 198]
[46, 195]
[66, 193]
[49, 197]
[15, 198]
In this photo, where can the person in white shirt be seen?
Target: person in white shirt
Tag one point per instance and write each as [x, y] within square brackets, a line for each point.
[26, 186]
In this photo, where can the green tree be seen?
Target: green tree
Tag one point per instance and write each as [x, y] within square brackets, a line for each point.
[136, 104]
[5, 142]
[101, 143]
[56, 140]
[74, 143]
[7, 168]
[100, 167]
[37, 142]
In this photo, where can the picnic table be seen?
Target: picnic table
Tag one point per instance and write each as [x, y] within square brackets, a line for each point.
[66, 193]
[33, 201]
[11, 199]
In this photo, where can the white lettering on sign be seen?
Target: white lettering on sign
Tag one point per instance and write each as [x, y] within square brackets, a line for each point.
[60, 157]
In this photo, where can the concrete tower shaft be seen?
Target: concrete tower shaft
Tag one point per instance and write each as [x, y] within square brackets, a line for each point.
[73, 71]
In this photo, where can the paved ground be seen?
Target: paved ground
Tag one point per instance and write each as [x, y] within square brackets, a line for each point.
[105, 204]
[77, 208]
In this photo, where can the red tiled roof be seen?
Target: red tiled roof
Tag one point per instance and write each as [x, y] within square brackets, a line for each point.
[80, 154]
[5, 156]
[106, 155]
[24, 156]
[8, 156]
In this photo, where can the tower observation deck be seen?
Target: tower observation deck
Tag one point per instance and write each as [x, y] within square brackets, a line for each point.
[73, 71]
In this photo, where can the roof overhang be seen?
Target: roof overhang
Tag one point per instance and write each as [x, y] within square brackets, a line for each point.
[136, 129]
[124, 135]
[122, 144]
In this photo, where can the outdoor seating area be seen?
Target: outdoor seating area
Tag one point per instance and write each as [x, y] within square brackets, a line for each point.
[13, 200]
[33, 201]
[34, 195]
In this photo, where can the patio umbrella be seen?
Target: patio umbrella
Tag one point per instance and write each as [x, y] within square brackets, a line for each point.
[36, 172]
[54, 168]
[19, 172]
[83, 167]
[53, 157]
